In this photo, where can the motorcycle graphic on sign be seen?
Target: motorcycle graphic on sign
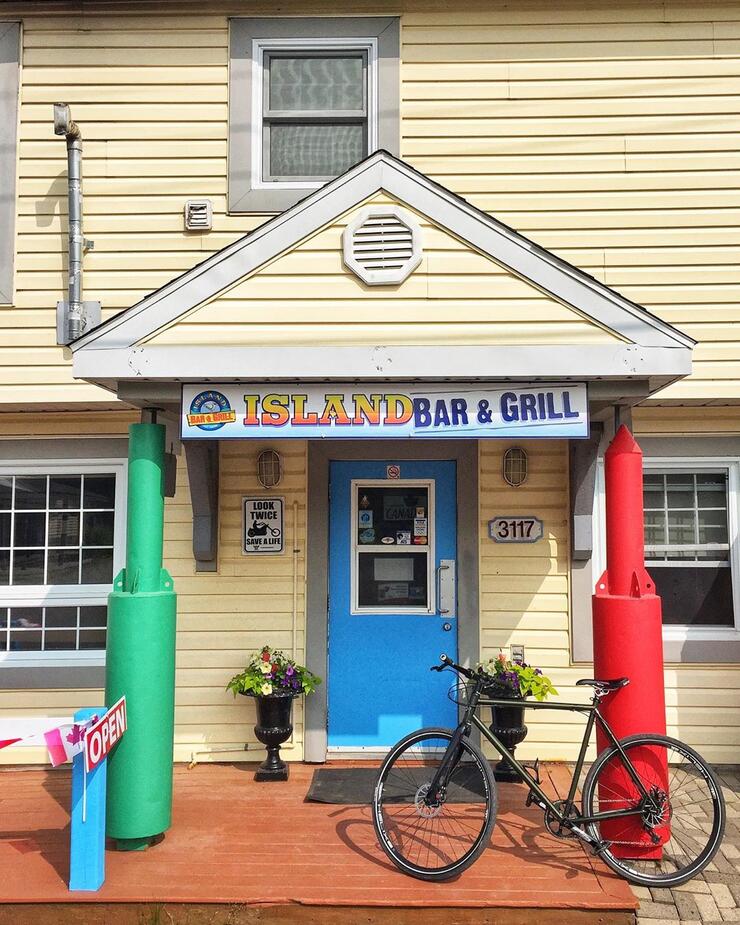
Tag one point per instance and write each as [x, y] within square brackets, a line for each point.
[262, 526]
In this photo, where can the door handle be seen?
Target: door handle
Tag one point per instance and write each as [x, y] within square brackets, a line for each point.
[445, 576]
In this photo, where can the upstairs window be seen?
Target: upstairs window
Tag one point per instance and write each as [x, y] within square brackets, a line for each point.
[308, 99]
[315, 115]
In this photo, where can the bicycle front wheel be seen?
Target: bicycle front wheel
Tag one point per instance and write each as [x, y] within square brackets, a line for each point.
[680, 823]
[433, 839]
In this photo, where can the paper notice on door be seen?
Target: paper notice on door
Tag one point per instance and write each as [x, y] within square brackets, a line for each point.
[393, 568]
[393, 591]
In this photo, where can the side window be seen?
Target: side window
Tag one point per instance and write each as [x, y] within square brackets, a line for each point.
[692, 552]
[308, 99]
[9, 76]
[61, 543]
[687, 545]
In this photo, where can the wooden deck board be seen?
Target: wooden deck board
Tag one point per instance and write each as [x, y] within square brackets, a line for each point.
[237, 842]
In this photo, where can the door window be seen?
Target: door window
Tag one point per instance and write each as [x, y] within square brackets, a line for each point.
[392, 547]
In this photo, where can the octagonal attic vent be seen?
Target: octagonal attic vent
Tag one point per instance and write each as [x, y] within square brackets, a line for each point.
[382, 245]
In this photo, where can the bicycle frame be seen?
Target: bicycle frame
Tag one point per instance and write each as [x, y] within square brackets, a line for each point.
[543, 801]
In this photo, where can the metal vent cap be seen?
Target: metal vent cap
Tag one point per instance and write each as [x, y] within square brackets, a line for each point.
[382, 245]
[198, 214]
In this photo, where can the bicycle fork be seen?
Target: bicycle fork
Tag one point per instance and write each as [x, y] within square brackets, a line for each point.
[438, 785]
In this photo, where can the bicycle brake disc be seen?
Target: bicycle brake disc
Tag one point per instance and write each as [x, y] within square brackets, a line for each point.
[425, 809]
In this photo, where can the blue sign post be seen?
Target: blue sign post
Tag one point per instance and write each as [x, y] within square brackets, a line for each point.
[87, 838]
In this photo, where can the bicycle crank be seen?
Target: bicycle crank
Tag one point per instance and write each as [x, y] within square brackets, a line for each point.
[557, 828]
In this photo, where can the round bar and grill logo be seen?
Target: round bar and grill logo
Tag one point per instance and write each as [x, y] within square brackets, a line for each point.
[210, 411]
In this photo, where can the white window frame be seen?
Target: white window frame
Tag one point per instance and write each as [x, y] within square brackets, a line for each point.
[260, 46]
[677, 632]
[357, 548]
[69, 595]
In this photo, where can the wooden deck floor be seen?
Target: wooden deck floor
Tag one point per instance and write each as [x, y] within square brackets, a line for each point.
[261, 845]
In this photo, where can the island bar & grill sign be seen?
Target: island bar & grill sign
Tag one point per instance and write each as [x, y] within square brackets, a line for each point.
[258, 410]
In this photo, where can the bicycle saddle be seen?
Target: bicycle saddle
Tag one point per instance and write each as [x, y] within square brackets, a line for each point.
[612, 685]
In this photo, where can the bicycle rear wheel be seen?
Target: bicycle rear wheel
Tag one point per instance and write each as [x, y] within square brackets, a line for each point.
[437, 840]
[685, 810]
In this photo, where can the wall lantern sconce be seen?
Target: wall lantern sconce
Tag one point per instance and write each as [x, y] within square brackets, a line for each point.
[269, 468]
[515, 466]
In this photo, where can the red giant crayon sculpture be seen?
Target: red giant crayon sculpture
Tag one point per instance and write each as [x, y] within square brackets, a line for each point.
[628, 639]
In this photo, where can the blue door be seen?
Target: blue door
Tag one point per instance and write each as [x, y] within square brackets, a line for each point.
[392, 602]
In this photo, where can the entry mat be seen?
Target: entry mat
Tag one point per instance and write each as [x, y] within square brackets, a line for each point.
[357, 785]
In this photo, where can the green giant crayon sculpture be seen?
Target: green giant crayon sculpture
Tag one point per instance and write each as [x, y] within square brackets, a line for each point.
[140, 661]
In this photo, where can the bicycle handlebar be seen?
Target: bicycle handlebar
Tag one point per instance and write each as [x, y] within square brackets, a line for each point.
[446, 662]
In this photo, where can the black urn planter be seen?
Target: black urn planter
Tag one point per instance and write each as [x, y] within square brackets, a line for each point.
[508, 726]
[274, 726]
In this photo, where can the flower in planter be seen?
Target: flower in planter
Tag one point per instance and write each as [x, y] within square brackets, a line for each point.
[516, 679]
[270, 671]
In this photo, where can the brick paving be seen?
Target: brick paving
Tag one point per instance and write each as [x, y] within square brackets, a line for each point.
[713, 896]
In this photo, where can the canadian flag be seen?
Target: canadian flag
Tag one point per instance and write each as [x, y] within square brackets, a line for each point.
[63, 739]
[65, 742]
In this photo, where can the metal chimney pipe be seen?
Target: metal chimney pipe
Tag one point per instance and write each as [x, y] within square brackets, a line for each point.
[63, 125]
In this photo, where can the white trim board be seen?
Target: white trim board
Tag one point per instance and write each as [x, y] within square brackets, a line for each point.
[382, 171]
[655, 366]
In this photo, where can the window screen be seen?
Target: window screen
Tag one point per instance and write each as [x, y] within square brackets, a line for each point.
[687, 548]
[315, 114]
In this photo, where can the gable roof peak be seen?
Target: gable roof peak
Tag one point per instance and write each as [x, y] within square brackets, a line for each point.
[382, 171]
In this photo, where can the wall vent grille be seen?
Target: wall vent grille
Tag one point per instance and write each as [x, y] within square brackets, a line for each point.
[198, 215]
[382, 246]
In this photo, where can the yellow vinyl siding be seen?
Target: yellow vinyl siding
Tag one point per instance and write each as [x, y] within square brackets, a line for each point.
[705, 421]
[222, 616]
[606, 132]
[524, 599]
[524, 587]
[225, 615]
[455, 296]
[30, 703]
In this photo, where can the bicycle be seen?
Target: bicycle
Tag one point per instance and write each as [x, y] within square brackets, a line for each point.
[650, 806]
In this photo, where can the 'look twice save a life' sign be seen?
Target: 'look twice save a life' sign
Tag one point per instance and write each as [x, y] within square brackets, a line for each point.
[263, 525]
[272, 410]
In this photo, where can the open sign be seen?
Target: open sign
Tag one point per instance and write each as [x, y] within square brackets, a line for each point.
[103, 735]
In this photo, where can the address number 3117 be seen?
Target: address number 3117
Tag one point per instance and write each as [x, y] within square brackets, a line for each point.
[515, 529]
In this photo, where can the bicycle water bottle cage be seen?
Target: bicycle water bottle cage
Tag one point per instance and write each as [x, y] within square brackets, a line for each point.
[534, 769]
